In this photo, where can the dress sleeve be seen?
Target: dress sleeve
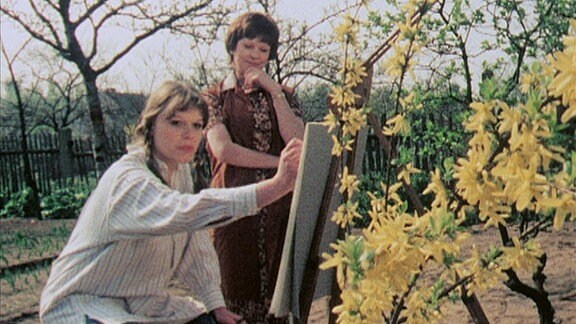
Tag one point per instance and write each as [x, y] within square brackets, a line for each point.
[215, 109]
[142, 206]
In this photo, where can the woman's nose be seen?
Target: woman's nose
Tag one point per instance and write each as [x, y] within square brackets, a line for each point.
[192, 131]
[188, 131]
[253, 53]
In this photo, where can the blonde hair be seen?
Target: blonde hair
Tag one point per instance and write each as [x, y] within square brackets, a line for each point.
[169, 97]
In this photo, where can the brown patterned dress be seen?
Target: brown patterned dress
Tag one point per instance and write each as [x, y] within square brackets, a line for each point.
[250, 249]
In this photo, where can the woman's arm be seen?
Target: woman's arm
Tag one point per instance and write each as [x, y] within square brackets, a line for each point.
[141, 206]
[284, 180]
[291, 126]
[225, 150]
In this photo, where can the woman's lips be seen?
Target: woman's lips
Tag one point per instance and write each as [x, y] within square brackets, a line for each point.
[187, 148]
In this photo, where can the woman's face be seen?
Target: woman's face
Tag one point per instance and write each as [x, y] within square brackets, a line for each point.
[176, 139]
[249, 53]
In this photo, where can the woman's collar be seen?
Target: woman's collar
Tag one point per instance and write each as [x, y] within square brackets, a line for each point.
[230, 82]
[163, 167]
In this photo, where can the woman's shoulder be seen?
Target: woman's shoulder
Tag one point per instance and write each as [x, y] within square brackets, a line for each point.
[213, 95]
[135, 155]
[128, 163]
[216, 89]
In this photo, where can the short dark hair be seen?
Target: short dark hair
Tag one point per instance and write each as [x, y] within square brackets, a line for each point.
[253, 25]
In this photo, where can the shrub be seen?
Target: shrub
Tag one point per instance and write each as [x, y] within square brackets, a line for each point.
[64, 203]
[371, 182]
[18, 205]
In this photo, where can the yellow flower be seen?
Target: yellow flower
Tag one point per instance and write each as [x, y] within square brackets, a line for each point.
[526, 186]
[399, 61]
[548, 154]
[437, 186]
[337, 146]
[343, 96]
[522, 256]
[436, 250]
[408, 30]
[485, 273]
[564, 83]
[565, 209]
[332, 260]
[354, 120]
[471, 176]
[564, 212]
[399, 126]
[346, 214]
[331, 121]
[509, 119]
[562, 200]
[347, 32]
[569, 113]
[349, 310]
[347, 143]
[355, 72]
[349, 183]
[527, 81]
[407, 172]
[525, 140]
[393, 191]
[496, 214]
[483, 115]
[409, 104]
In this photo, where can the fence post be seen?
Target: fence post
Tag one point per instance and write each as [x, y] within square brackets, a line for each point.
[65, 157]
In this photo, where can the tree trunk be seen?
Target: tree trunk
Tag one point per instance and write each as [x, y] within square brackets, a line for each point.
[33, 208]
[99, 145]
[538, 296]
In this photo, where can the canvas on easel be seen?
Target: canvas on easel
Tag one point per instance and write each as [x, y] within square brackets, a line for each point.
[310, 187]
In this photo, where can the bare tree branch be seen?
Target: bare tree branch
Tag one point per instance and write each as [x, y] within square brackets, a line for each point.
[159, 25]
[36, 35]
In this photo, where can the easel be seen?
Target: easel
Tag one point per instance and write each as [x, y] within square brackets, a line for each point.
[313, 262]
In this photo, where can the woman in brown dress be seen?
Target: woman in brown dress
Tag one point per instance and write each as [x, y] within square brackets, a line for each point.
[252, 117]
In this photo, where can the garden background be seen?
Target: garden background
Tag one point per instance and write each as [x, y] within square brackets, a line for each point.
[64, 73]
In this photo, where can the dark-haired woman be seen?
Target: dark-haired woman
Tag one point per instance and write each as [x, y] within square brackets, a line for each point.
[252, 118]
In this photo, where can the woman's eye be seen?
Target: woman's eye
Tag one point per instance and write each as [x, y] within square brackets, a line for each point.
[198, 126]
[175, 122]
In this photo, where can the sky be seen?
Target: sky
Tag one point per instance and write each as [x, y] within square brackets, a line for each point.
[144, 61]
[298, 10]
[144, 67]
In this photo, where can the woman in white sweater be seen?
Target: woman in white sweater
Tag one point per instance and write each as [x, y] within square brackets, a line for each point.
[143, 225]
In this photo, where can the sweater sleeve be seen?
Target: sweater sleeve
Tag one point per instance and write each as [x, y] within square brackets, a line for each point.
[142, 206]
[200, 270]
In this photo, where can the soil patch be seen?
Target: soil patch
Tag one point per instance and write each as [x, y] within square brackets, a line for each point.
[20, 296]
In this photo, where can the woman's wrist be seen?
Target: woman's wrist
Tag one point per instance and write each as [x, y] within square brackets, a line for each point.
[278, 94]
[272, 189]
